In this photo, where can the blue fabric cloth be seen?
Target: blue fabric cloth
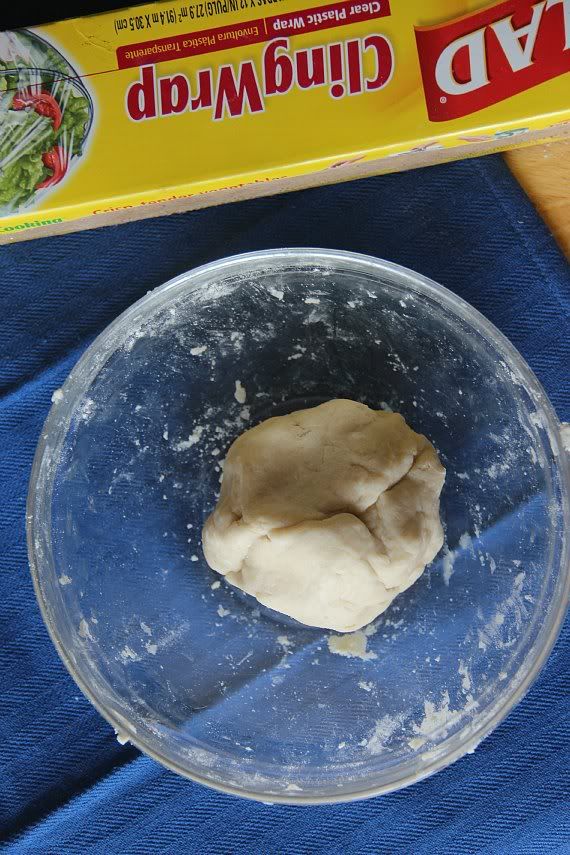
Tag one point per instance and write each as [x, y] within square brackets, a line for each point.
[66, 785]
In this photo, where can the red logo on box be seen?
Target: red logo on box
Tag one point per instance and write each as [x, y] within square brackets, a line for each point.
[482, 58]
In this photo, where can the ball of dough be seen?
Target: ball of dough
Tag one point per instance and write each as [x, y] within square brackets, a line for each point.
[327, 514]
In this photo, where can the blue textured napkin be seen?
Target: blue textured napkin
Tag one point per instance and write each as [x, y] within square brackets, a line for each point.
[66, 785]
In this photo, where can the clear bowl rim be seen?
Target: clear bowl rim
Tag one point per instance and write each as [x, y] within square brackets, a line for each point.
[155, 299]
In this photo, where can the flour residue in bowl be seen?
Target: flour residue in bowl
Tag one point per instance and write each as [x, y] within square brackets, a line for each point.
[385, 729]
[449, 555]
[437, 718]
[463, 671]
[514, 606]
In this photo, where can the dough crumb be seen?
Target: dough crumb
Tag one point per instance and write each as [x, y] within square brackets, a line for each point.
[193, 439]
[215, 585]
[198, 351]
[84, 631]
[128, 654]
[64, 579]
[240, 393]
[223, 612]
[352, 644]
[57, 396]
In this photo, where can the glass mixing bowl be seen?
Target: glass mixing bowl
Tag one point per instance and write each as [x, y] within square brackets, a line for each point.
[201, 677]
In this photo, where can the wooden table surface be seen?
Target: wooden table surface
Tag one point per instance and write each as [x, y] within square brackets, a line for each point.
[544, 172]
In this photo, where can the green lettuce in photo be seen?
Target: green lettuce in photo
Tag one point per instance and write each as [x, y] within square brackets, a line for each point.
[45, 115]
[23, 140]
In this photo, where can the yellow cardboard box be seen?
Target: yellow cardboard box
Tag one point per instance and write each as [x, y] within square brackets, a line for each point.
[178, 105]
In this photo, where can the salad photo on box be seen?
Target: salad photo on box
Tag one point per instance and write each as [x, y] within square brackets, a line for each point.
[46, 114]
